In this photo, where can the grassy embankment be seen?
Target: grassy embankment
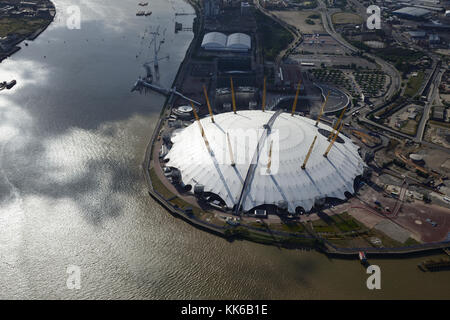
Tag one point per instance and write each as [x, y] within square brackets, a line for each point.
[341, 229]
[346, 18]
[273, 36]
[414, 84]
[167, 194]
[21, 26]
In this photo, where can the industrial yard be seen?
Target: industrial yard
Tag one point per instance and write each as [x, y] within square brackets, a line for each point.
[20, 20]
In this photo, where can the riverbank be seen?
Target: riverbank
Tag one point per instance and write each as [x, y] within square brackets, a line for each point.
[74, 193]
[22, 23]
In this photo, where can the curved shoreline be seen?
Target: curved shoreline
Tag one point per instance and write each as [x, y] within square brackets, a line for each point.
[282, 239]
[31, 37]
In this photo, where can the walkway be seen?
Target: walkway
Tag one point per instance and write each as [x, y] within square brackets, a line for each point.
[255, 160]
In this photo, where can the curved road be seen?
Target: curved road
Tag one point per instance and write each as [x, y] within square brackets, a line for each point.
[387, 68]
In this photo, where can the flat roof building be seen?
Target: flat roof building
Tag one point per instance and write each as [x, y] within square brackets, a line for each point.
[412, 13]
[417, 34]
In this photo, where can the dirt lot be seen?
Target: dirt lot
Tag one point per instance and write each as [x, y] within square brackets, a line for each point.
[346, 17]
[298, 20]
[438, 134]
[412, 216]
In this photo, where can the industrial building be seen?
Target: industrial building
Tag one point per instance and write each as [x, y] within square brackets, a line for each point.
[417, 35]
[245, 8]
[217, 41]
[257, 160]
[211, 8]
[412, 13]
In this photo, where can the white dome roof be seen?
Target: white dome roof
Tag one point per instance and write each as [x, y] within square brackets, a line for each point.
[239, 41]
[184, 108]
[220, 42]
[214, 41]
[291, 136]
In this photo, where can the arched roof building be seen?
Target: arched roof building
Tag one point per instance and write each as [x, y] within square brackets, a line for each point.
[218, 41]
[214, 41]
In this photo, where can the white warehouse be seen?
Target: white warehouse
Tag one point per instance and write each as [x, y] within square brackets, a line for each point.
[217, 41]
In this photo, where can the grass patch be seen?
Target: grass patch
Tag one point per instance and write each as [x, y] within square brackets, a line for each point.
[346, 17]
[414, 84]
[399, 55]
[167, 194]
[411, 242]
[274, 37]
[439, 124]
[410, 127]
[159, 186]
[293, 227]
[339, 223]
[22, 26]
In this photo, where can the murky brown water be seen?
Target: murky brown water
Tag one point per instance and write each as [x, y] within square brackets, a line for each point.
[72, 139]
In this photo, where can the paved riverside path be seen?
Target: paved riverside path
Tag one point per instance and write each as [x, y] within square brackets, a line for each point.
[255, 160]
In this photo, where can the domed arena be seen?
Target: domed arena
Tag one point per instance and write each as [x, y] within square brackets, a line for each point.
[252, 158]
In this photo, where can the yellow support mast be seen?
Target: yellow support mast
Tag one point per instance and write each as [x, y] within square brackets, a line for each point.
[202, 131]
[322, 109]
[332, 141]
[209, 105]
[264, 95]
[296, 97]
[231, 151]
[309, 153]
[337, 124]
[195, 112]
[233, 98]
[269, 163]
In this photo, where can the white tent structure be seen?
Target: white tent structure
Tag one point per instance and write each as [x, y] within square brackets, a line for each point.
[218, 41]
[223, 167]
[239, 42]
[214, 41]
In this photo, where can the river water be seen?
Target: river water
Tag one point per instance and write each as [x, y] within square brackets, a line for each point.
[72, 140]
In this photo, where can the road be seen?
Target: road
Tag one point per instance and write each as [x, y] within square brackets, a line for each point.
[385, 66]
[254, 163]
[426, 112]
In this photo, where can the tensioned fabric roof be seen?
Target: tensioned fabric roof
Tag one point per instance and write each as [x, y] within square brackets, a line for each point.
[290, 138]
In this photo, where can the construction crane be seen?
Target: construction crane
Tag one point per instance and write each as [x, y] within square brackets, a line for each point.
[159, 59]
[157, 48]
